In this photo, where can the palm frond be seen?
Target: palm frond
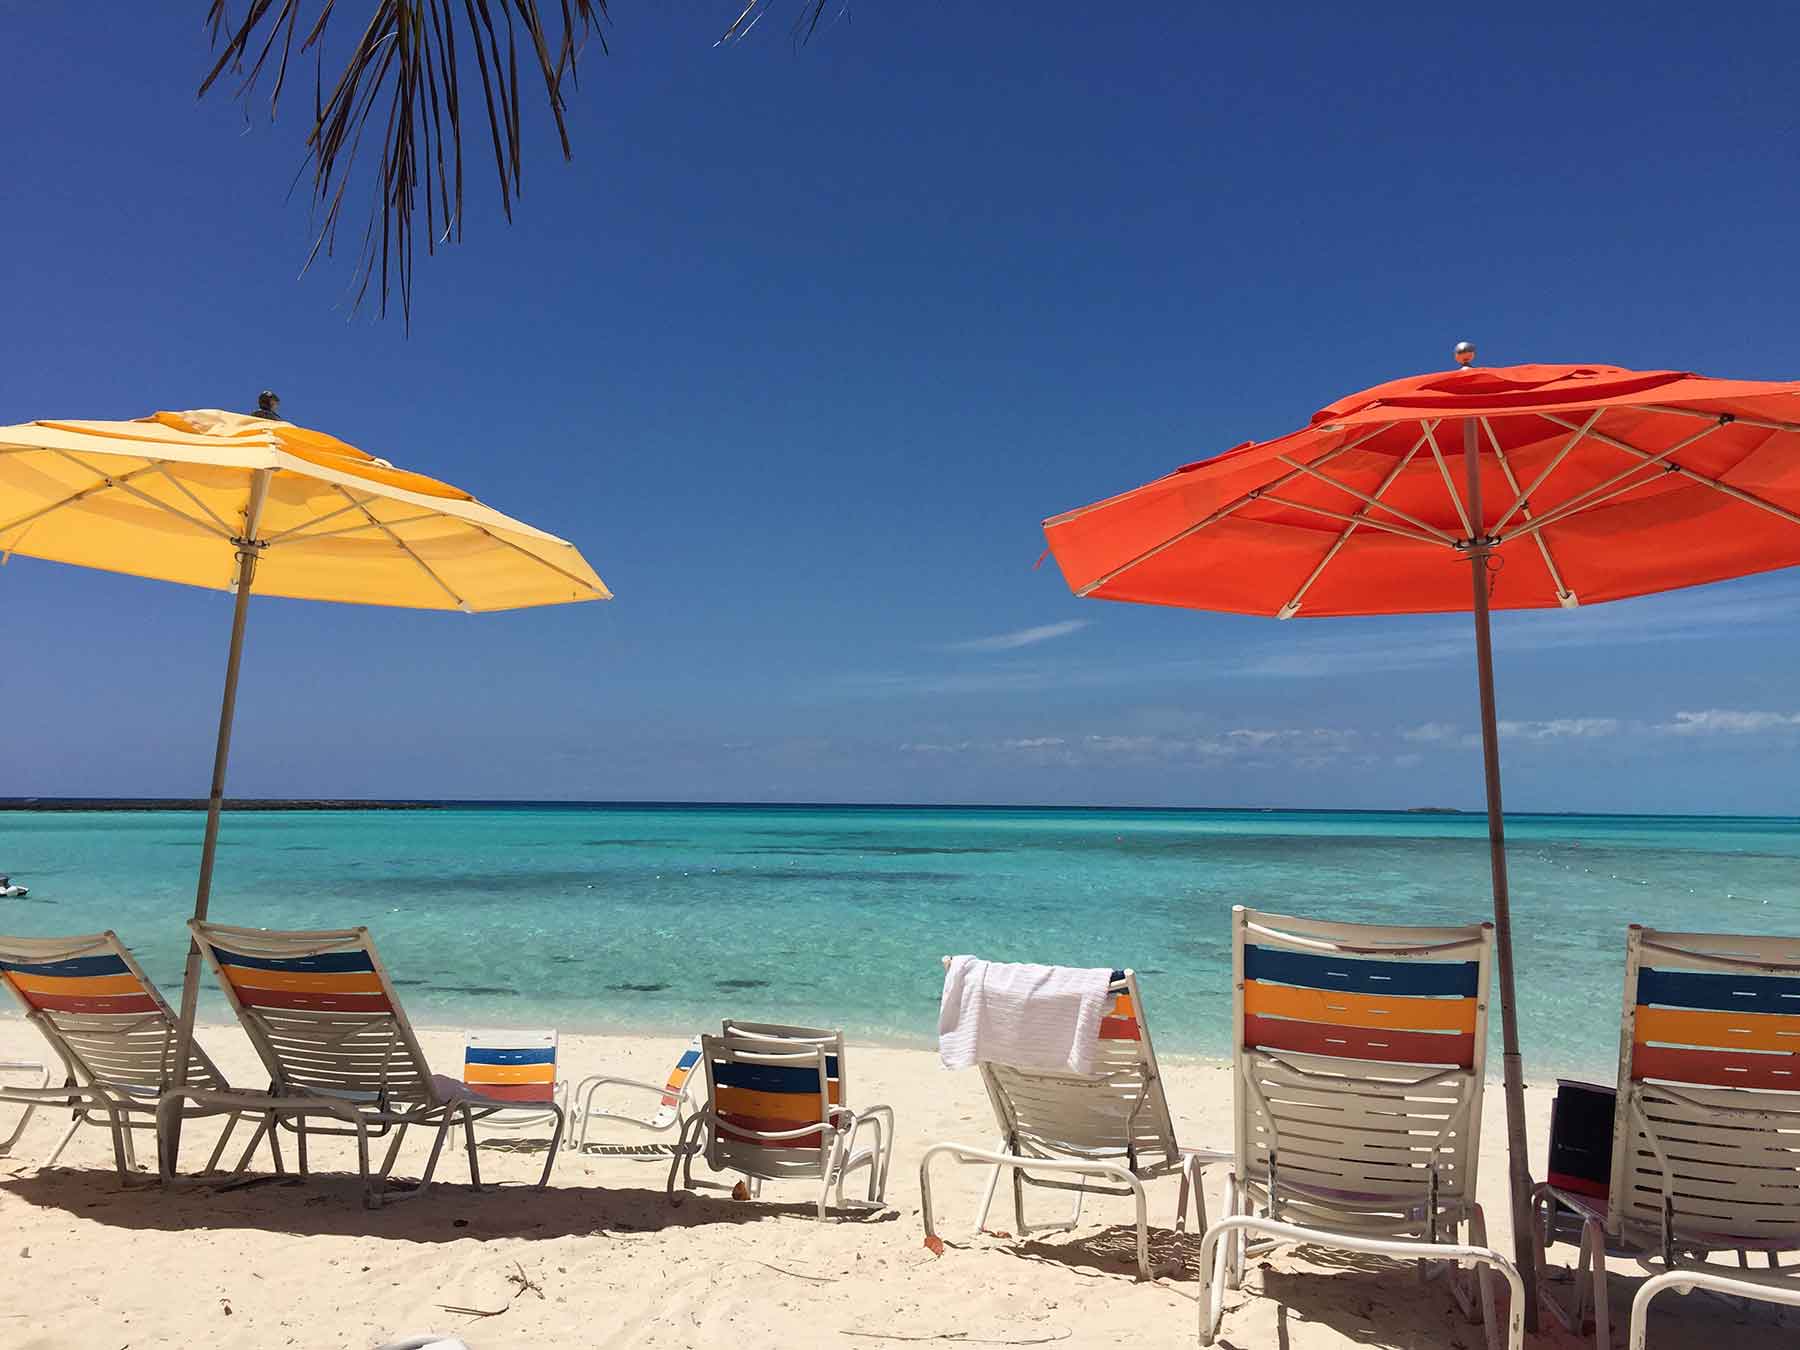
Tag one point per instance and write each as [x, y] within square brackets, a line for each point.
[399, 88]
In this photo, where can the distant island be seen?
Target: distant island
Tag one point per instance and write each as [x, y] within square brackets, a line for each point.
[1433, 811]
[199, 804]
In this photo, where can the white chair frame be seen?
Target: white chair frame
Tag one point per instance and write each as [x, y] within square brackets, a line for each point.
[663, 1119]
[1389, 1221]
[729, 1147]
[1677, 1245]
[1136, 1145]
[366, 1071]
[115, 1065]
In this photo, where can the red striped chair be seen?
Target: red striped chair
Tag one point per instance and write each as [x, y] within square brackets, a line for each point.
[777, 1110]
[1359, 1057]
[323, 1016]
[1112, 1126]
[517, 1067]
[1706, 1128]
[114, 1035]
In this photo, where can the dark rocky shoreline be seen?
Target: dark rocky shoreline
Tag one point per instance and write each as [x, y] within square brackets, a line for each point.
[199, 804]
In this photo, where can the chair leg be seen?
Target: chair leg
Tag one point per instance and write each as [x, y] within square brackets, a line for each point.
[274, 1145]
[1484, 1278]
[212, 1162]
[468, 1118]
[393, 1153]
[121, 1145]
[63, 1143]
[556, 1139]
[300, 1145]
[437, 1148]
[987, 1198]
[1234, 1241]
[1018, 1189]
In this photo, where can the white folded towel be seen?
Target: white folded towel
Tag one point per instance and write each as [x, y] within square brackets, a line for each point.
[1031, 1017]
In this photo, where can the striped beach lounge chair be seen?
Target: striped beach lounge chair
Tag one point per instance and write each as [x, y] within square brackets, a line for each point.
[322, 1014]
[517, 1067]
[1106, 1133]
[777, 1110]
[113, 1034]
[598, 1098]
[1359, 1058]
[1706, 1128]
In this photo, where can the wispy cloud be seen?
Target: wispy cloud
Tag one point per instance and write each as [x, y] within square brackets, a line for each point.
[1730, 722]
[1562, 729]
[1430, 733]
[1020, 637]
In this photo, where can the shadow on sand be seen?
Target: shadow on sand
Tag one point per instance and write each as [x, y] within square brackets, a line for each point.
[330, 1204]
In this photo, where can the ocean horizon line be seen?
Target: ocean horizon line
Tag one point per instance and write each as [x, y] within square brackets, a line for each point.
[104, 802]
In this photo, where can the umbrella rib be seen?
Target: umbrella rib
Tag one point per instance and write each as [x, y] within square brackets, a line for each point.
[1364, 497]
[1199, 525]
[402, 546]
[1450, 487]
[1370, 521]
[1766, 423]
[290, 537]
[292, 530]
[1521, 498]
[187, 492]
[221, 530]
[1564, 595]
[1292, 607]
[561, 572]
[103, 485]
[1328, 456]
[1717, 485]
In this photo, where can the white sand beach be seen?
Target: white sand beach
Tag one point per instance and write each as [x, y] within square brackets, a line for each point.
[610, 1263]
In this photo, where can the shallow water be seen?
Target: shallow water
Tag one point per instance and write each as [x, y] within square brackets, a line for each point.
[666, 918]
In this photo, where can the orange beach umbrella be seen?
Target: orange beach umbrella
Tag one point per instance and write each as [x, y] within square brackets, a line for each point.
[1521, 487]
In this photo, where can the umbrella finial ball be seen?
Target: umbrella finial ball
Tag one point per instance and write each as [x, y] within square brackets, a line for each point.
[1465, 353]
[268, 404]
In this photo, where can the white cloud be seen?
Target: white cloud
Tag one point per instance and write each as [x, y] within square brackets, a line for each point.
[1729, 722]
[1562, 729]
[1430, 733]
[1021, 637]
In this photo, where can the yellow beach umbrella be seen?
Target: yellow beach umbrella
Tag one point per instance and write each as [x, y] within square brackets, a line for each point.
[256, 504]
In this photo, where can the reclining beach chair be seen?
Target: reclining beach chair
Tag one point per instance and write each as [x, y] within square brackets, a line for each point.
[322, 1014]
[670, 1113]
[777, 1110]
[1358, 1058]
[517, 1067]
[1110, 1126]
[114, 1035]
[1706, 1128]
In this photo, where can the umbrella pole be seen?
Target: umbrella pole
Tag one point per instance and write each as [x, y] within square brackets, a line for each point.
[248, 550]
[1518, 1163]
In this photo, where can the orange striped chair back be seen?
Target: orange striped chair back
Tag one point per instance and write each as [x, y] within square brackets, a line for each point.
[771, 1099]
[1706, 1135]
[320, 1010]
[92, 1001]
[511, 1066]
[1382, 1029]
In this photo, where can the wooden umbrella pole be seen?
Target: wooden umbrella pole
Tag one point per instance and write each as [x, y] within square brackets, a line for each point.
[1518, 1164]
[249, 548]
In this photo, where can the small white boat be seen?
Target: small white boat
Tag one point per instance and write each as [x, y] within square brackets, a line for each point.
[9, 891]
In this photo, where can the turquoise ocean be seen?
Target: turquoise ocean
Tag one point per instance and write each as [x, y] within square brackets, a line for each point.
[665, 918]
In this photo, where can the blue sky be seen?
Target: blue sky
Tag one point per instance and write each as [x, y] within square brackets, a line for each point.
[805, 343]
